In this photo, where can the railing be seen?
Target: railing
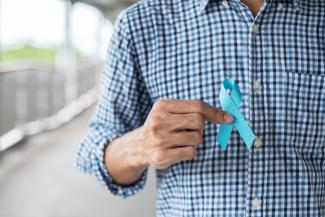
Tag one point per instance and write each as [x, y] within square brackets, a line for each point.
[33, 99]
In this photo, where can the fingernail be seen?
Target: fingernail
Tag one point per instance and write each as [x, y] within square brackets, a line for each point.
[228, 118]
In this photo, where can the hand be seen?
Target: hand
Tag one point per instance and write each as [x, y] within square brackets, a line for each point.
[170, 134]
[173, 129]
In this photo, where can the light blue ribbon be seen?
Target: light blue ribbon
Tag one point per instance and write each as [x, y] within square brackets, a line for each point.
[230, 98]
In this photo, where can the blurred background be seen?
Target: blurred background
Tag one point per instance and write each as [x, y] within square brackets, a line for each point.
[51, 58]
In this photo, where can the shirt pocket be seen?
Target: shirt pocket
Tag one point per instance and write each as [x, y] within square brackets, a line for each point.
[301, 104]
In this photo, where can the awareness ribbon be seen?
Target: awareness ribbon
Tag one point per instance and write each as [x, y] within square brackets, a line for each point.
[230, 98]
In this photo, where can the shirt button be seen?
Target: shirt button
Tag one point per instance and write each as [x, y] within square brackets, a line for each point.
[203, 5]
[280, 6]
[298, 8]
[225, 3]
[256, 85]
[256, 28]
[256, 203]
[258, 143]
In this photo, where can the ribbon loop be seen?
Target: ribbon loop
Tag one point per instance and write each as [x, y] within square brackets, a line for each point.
[230, 102]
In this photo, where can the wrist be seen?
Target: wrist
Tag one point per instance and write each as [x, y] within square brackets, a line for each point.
[135, 151]
[126, 152]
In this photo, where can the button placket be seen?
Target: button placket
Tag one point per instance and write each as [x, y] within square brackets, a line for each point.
[253, 190]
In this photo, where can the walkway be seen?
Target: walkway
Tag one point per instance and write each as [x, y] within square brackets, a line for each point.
[38, 179]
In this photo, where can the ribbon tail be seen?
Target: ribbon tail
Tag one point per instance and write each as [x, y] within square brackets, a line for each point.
[224, 135]
[245, 131]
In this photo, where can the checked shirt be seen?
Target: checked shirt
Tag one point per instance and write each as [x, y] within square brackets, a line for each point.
[184, 49]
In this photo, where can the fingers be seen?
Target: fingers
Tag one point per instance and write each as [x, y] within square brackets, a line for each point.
[180, 154]
[180, 106]
[173, 129]
[190, 121]
[184, 138]
[163, 159]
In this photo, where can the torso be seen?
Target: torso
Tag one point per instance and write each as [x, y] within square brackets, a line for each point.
[186, 54]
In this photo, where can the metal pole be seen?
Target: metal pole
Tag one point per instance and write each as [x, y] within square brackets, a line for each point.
[69, 56]
[0, 32]
[98, 33]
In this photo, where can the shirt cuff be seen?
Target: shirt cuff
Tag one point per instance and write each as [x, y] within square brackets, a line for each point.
[105, 178]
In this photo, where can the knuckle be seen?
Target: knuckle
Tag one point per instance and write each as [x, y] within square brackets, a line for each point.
[152, 133]
[158, 141]
[156, 122]
[219, 114]
[156, 119]
[190, 153]
[158, 159]
[197, 138]
[199, 120]
[198, 104]
[152, 130]
[159, 104]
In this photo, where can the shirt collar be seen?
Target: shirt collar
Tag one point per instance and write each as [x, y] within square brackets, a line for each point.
[204, 3]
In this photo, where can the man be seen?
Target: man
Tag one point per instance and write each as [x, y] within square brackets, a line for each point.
[159, 107]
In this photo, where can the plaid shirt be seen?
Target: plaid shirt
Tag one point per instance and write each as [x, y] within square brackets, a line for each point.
[184, 49]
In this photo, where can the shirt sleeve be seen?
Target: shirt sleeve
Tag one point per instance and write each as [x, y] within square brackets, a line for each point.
[122, 106]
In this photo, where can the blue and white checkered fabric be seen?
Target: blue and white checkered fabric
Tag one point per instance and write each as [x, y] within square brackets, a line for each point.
[184, 49]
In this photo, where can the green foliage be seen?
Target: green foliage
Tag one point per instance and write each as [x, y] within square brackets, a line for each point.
[27, 51]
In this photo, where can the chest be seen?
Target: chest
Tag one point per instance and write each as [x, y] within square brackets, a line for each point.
[190, 58]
